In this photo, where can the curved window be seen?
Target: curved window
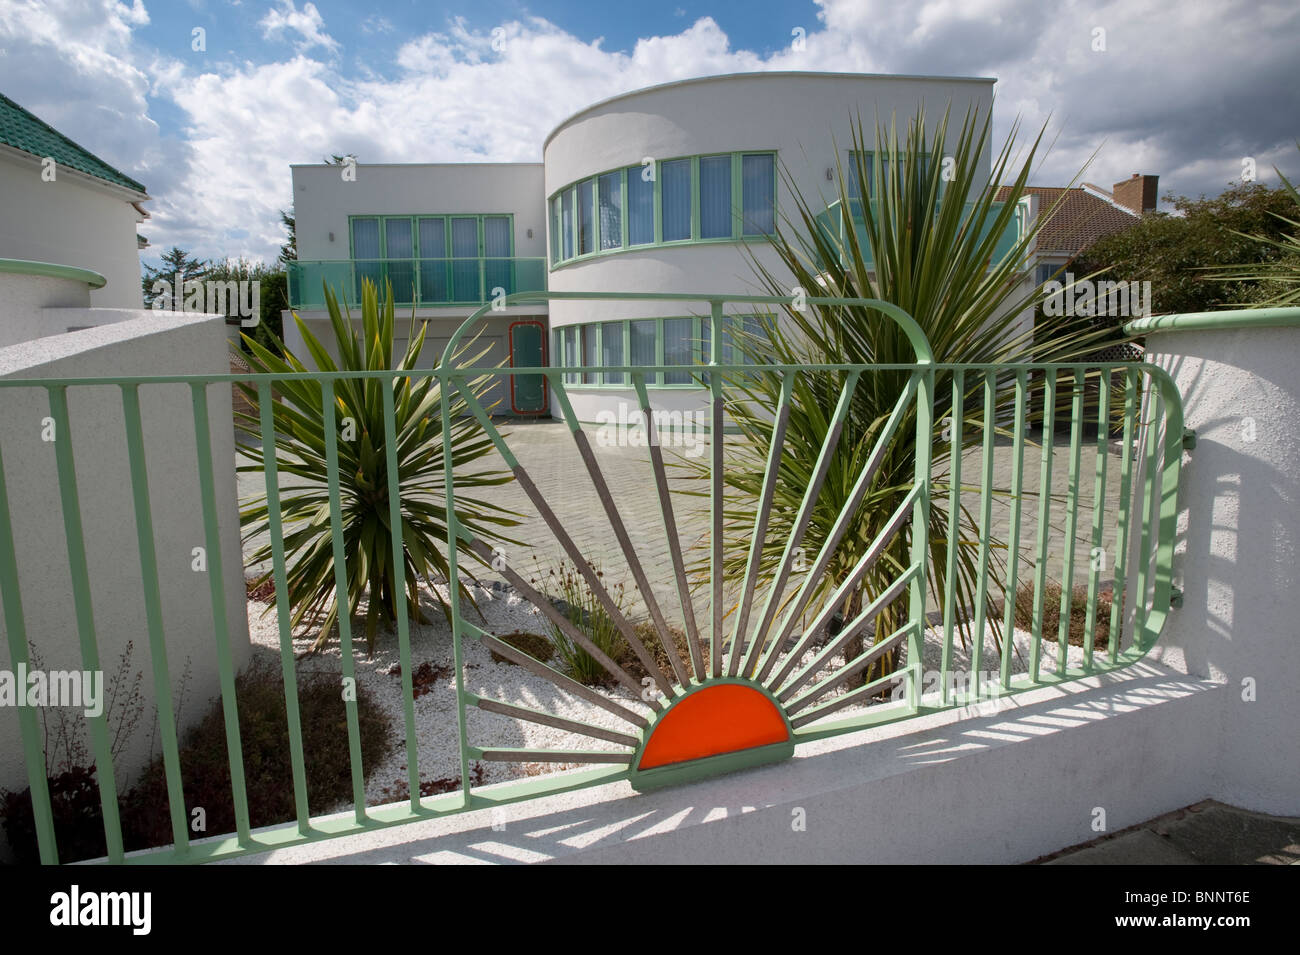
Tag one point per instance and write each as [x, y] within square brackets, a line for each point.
[641, 342]
[720, 198]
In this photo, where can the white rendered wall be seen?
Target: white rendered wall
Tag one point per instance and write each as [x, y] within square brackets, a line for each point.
[154, 343]
[74, 220]
[802, 116]
[24, 300]
[1239, 552]
[323, 200]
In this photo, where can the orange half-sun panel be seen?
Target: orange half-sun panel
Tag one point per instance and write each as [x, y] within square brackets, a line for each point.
[714, 720]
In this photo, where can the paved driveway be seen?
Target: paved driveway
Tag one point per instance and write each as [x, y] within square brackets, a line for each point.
[547, 451]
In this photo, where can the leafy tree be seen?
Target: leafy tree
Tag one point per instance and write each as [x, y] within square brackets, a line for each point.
[1278, 277]
[174, 260]
[289, 251]
[1185, 256]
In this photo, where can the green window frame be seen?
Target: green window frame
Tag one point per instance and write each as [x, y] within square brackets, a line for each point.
[620, 210]
[593, 346]
[413, 270]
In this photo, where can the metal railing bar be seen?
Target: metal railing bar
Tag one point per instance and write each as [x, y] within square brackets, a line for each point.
[606, 499]
[397, 543]
[561, 680]
[852, 667]
[1044, 512]
[580, 563]
[1013, 536]
[553, 756]
[153, 614]
[1071, 523]
[546, 719]
[288, 669]
[1098, 512]
[847, 586]
[852, 629]
[758, 534]
[341, 599]
[80, 578]
[220, 623]
[1122, 518]
[840, 527]
[862, 693]
[957, 444]
[829, 445]
[985, 525]
[670, 529]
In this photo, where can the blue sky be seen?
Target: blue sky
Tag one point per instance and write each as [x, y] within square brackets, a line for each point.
[1183, 90]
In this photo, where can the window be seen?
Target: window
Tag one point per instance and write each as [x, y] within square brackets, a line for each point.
[715, 197]
[433, 259]
[643, 344]
[758, 194]
[869, 161]
[590, 356]
[571, 352]
[611, 351]
[566, 223]
[611, 210]
[586, 219]
[640, 208]
[555, 230]
[679, 341]
[675, 199]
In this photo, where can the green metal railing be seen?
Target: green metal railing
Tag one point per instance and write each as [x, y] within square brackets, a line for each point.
[432, 282]
[774, 636]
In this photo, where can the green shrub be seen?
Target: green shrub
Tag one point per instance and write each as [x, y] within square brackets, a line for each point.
[571, 593]
[205, 771]
[363, 471]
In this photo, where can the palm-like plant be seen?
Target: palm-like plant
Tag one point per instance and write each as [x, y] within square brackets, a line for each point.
[300, 452]
[928, 247]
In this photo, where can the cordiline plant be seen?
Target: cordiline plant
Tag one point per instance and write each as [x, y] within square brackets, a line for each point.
[300, 457]
[926, 244]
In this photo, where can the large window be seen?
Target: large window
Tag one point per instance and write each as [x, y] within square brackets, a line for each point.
[640, 207]
[434, 259]
[611, 211]
[870, 161]
[675, 199]
[642, 342]
[715, 197]
[719, 198]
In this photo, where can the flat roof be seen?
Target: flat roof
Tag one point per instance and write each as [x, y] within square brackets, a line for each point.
[405, 165]
[787, 74]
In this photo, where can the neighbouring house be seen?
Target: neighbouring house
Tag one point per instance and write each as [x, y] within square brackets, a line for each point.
[1086, 214]
[66, 207]
[667, 189]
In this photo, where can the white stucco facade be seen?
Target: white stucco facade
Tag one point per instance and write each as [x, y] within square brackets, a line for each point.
[75, 220]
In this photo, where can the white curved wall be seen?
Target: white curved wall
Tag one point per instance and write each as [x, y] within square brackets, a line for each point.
[804, 117]
[1239, 550]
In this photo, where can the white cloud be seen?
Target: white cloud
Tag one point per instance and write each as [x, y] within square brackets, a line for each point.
[1183, 92]
[307, 23]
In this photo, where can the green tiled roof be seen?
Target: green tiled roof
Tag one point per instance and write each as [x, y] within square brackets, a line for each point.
[21, 130]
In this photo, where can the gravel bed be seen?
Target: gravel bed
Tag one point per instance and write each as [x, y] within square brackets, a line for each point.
[504, 612]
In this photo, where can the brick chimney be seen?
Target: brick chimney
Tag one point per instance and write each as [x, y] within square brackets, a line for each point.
[1137, 194]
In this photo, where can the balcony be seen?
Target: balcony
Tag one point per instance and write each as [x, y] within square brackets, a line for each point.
[429, 282]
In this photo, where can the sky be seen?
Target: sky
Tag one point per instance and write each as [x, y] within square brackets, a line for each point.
[208, 102]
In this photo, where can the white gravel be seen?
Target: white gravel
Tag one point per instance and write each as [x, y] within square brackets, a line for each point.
[435, 710]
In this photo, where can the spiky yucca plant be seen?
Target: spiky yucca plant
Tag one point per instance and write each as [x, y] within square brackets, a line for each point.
[300, 455]
[927, 247]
